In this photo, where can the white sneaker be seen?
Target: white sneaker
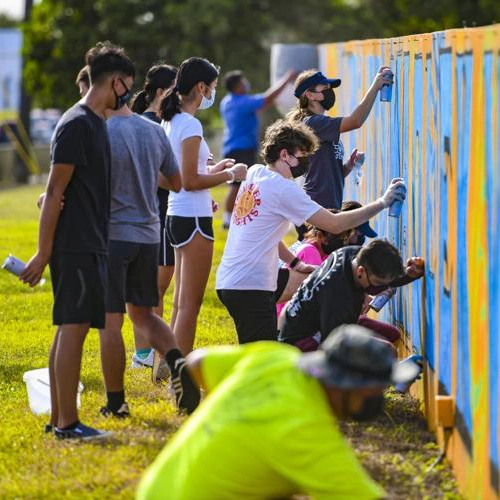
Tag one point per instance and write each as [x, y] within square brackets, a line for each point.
[161, 371]
[147, 362]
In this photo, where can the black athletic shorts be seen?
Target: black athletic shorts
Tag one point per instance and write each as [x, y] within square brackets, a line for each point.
[133, 275]
[167, 256]
[181, 230]
[253, 313]
[283, 276]
[79, 283]
[247, 156]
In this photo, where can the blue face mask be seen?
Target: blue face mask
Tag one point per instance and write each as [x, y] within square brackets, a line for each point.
[207, 103]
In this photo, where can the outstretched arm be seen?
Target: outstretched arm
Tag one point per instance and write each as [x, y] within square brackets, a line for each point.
[362, 110]
[272, 92]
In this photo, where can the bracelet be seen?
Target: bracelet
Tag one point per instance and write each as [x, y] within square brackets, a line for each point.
[294, 263]
[231, 175]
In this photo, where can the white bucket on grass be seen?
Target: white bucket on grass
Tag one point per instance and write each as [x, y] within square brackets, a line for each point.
[38, 386]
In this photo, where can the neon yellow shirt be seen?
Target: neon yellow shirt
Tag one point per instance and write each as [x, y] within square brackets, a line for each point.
[265, 430]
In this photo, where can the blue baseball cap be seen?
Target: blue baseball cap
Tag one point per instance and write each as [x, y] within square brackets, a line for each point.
[316, 79]
[367, 230]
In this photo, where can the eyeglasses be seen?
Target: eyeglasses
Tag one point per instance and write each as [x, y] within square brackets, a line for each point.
[370, 282]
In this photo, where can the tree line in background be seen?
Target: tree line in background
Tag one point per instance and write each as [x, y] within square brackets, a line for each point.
[235, 34]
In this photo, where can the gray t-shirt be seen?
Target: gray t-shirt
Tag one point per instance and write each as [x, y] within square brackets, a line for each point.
[139, 150]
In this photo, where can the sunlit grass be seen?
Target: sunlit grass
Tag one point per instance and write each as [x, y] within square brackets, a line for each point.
[34, 465]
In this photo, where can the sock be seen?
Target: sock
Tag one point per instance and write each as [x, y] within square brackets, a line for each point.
[70, 427]
[115, 400]
[142, 353]
[227, 218]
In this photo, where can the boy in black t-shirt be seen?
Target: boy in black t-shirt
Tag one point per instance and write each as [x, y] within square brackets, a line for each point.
[334, 293]
[74, 241]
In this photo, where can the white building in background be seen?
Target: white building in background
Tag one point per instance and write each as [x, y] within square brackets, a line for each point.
[11, 41]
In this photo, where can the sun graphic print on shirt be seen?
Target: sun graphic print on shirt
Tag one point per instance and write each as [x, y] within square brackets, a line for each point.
[246, 205]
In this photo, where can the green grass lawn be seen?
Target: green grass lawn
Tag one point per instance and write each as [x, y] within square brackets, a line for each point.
[33, 465]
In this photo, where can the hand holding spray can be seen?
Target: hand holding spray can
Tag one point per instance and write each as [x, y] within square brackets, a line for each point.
[396, 205]
[381, 299]
[16, 266]
[386, 90]
[358, 171]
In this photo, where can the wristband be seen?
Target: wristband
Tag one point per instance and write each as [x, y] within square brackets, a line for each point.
[294, 263]
[231, 175]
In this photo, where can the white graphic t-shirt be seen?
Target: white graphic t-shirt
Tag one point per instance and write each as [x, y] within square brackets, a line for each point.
[188, 203]
[267, 202]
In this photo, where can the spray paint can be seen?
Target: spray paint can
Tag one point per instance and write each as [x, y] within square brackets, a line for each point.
[403, 387]
[358, 171]
[386, 90]
[380, 300]
[396, 205]
[13, 265]
[16, 266]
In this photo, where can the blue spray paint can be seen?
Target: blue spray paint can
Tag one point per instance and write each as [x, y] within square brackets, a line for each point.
[381, 299]
[386, 90]
[16, 266]
[396, 205]
[13, 265]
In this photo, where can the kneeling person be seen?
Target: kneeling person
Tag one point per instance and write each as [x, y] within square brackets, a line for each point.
[268, 429]
[335, 292]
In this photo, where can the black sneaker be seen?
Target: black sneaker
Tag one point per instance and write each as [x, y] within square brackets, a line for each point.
[122, 412]
[48, 428]
[187, 394]
[82, 432]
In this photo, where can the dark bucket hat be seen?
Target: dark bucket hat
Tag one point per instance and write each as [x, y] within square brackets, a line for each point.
[352, 358]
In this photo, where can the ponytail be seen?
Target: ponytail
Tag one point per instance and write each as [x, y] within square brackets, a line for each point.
[139, 102]
[170, 105]
[301, 110]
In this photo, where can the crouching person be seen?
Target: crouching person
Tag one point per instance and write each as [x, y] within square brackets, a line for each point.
[268, 426]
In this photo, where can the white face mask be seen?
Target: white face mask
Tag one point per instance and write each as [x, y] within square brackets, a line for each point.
[207, 103]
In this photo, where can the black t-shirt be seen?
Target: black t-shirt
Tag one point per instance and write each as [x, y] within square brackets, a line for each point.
[324, 181]
[151, 115]
[328, 298]
[81, 139]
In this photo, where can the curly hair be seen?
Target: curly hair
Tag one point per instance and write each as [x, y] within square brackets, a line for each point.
[292, 136]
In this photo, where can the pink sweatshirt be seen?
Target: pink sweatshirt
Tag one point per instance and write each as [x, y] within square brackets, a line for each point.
[308, 254]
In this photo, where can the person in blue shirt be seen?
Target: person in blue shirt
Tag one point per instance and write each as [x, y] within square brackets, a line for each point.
[241, 125]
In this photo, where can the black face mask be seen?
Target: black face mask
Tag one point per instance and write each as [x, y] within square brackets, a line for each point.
[328, 99]
[360, 241]
[121, 100]
[301, 168]
[331, 244]
[372, 406]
